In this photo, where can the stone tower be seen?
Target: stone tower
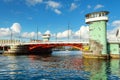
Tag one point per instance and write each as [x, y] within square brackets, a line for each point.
[97, 22]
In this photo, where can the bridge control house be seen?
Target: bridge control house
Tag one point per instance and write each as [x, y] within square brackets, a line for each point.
[99, 46]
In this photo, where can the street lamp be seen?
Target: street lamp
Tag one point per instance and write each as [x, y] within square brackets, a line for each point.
[37, 33]
[80, 35]
[11, 35]
[68, 31]
[56, 37]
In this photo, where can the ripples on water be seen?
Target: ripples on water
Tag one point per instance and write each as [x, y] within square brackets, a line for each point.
[62, 65]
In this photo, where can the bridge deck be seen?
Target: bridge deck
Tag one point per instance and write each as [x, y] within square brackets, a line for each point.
[51, 42]
[29, 43]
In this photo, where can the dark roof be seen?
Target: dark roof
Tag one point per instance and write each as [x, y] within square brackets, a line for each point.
[97, 12]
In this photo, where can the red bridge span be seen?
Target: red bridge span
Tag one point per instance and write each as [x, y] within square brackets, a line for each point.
[45, 45]
[40, 47]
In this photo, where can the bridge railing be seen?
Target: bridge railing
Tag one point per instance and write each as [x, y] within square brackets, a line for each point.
[113, 41]
[70, 41]
[56, 42]
[16, 42]
[9, 42]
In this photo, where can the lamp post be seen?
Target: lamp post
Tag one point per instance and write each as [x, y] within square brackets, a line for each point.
[11, 35]
[37, 33]
[68, 31]
[80, 35]
[56, 36]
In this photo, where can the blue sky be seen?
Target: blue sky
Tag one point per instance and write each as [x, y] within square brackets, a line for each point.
[53, 16]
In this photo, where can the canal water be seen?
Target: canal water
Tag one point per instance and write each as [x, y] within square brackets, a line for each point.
[61, 65]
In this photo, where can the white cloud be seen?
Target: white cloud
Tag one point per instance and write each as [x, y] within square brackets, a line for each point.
[26, 35]
[47, 32]
[53, 4]
[64, 34]
[98, 6]
[111, 34]
[116, 23]
[33, 2]
[83, 32]
[30, 34]
[39, 33]
[57, 11]
[89, 6]
[16, 27]
[4, 32]
[73, 6]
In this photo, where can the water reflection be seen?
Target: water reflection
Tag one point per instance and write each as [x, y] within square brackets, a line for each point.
[115, 70]
[58, 66]
[97, 69]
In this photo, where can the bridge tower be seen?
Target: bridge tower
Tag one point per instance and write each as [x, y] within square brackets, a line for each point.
[97, 22]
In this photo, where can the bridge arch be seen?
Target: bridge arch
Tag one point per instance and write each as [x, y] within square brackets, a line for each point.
[50, 46]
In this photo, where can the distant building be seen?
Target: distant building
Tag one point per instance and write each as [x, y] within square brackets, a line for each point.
[46, 37]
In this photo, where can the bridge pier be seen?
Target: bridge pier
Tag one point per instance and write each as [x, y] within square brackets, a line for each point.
[25, 50]
[17, 50]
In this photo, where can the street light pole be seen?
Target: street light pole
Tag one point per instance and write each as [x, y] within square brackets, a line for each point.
[11, 36]
[68, 31]
[80, 35]
[56, 36]
[37, 33]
